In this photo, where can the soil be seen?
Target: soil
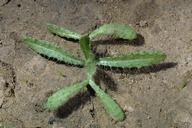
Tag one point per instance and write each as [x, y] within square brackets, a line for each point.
[154, 97]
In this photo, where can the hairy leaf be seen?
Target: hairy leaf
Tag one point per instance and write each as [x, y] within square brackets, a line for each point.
[90, 57]
[85, 46]
[63, 32]
[136, 59]
[50, 50]
[115, 30]
[63, 95]
[112, 108]
[91, 69]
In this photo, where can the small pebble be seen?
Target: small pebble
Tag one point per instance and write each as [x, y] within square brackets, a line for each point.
[128, 109]
[143, 23]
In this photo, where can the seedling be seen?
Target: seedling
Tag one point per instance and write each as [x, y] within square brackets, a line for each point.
[130, 60]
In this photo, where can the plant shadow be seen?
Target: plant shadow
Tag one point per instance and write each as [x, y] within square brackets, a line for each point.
[68, 39]
[103, 76]
[136, 42]
[73, 104]
[148, 69]
[82, 98]
[60, 62]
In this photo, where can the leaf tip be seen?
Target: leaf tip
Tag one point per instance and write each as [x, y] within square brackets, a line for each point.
[50, 105]
[49, 25]
[120, 117]
[26, 39]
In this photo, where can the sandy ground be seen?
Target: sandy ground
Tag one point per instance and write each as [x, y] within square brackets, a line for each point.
[159, 97]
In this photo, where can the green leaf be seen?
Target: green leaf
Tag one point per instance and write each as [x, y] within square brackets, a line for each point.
[115, 30]
[85, 46]
[91, 69]
[63, 32]
[50, 50]
[112, 108]
[90, 62]
[136, 59]
[63, 95]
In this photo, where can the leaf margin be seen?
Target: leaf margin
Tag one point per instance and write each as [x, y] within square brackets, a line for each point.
[109, 62]
[59, 98]
[63, 32]
[117, 30]
[111, 107]
[52, 51]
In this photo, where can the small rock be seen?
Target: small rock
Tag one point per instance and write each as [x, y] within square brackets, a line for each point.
[128, 109]
[143, 23]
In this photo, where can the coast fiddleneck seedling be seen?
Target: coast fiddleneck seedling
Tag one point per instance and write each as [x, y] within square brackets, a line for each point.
[90, 62]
